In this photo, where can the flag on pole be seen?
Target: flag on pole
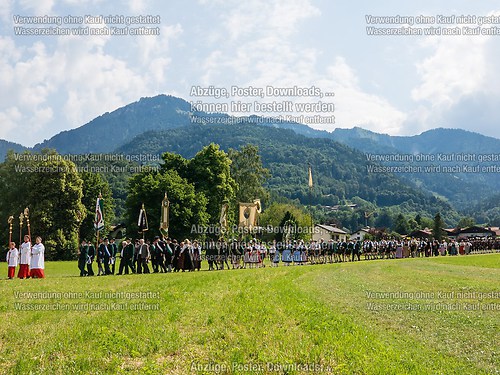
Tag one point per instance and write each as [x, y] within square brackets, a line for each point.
[310, 177]
[99, 215]
[223, 217]
[142, 223]
[165, 205]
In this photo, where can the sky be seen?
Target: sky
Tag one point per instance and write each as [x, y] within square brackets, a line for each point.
[393, 84]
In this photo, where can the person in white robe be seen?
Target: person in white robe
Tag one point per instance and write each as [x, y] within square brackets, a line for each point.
[12, 260]
[38, 259]
[25, 258]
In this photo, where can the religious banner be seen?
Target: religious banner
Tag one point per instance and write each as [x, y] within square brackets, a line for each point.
[142, 223]
[223, 217]
[249, 214]
[99, 216]
[165, 205]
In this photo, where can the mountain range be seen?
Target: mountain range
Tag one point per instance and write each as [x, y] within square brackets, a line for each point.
[6, 146]
[165, 123]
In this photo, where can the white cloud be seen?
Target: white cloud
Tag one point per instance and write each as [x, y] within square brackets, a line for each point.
[104, 83]
[6, 10]
[151, 47]
[459, 82]
[137, 6]
[25, 92]
[260, 17]
[9, 118]
[354, 107]
[257, 43]
[37, 7]
[40, 118]
[61, 83]
[456, 68]
[264, 49]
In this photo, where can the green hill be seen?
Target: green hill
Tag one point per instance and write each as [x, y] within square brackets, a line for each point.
[340, 173]
[336, 182]
[462, 189]
[110, 130]
[6, 146]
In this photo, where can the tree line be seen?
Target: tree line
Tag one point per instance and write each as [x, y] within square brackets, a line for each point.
[61, 196]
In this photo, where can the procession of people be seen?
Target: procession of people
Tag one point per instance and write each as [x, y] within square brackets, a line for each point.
[164, 255]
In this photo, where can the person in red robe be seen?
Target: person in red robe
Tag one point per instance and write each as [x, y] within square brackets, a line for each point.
[12, 259]
[25, 258]
[38, 259]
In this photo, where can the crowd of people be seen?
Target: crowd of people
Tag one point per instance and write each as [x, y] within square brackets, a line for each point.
[30, 259]
[169, 255]
[164, 255]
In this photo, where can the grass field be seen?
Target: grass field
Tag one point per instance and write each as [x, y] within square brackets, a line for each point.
[331, 318]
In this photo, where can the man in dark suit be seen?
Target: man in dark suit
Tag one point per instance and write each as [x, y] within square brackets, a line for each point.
[177, 256]
[127, 255]
[105, 254]
[113, 249]
[168, 253]
[143, 257]
[137, 263]
[82, 258]
[100, 258]
[156, 251]
[90, 258]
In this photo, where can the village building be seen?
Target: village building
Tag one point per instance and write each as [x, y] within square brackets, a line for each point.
[329, 232]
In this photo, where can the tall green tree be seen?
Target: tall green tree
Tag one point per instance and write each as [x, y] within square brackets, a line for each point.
[466, 222]
[290, 227]
[418, 219]
[275, 215]
[437, 228]
[173, 161]
[249, 174]
[187, 207]
[401, 225]
[210, 173]
[412, 225]
[51, 188]
[384, 219]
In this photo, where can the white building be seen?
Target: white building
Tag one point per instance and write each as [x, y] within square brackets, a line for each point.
[328, 232]
[360, 234]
